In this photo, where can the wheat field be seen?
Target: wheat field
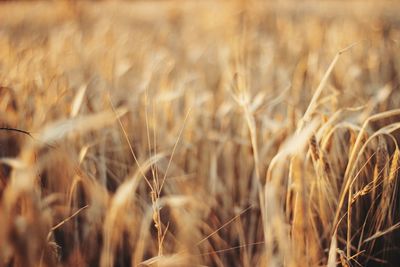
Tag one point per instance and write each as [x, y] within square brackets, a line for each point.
[210, 133]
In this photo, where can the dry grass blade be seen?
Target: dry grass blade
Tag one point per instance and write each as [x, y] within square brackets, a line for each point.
[332, 252]
[314, 100]
[79, 125]
[382, 233]
[224, 225]
[173, 151]
[65, 220]
[78, 100]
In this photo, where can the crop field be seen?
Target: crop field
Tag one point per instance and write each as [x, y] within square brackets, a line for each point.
[199, 133]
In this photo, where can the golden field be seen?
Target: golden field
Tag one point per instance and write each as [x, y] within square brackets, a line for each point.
[209, 133]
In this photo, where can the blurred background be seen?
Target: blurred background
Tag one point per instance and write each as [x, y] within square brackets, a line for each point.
[199, 133]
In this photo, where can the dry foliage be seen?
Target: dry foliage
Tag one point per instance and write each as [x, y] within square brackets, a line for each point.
[238, 133]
